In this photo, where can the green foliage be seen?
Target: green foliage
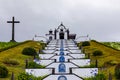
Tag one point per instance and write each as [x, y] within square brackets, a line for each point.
[7, 45]
[97, 53]
[43, 45]
[97, 77]
[24, 76]
[3, 72]
[8, 61]
[86, 43]
[117, 71]
[29, 51]
[111, 63]
[35, 65]
[114, 45]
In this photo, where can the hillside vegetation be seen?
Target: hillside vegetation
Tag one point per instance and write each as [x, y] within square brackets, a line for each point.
[107, 61]
[115, 45]
[14, 54]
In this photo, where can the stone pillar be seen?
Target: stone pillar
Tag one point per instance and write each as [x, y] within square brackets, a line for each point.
[26, 65]
[96, 63]
[12, 76]
[110, 76]
[55, 34]
[68, 33]
[53, 71]
[70, 70]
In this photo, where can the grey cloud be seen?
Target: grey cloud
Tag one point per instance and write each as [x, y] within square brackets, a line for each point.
[98, 18]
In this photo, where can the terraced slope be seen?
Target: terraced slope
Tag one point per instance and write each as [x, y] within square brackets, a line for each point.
[15, 54]
[108, 60]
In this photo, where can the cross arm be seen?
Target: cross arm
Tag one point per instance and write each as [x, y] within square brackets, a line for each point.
[13, 22]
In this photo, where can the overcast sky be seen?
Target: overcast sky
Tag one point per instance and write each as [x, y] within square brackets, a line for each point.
[98, 18]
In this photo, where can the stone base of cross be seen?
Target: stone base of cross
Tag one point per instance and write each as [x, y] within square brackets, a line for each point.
[12, 41]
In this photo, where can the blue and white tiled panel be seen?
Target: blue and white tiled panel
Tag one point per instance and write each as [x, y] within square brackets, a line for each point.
[46, 56]
[77, 55]
[58, 58]
[85, 72]
[65, 52]
[57, 77]
[56, 66]
[47, 51]
[75, 51]
[39, 72]
[81, 62]
[44, 62]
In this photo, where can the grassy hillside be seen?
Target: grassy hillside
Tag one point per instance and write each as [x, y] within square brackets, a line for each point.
[115, 45]
[15, 54]
[7, 44]
[107, 61]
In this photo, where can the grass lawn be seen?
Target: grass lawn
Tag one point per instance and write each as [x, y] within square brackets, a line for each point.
[109, 55]
[15, 53]
[7, 44]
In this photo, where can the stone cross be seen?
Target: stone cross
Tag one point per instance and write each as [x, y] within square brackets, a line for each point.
[13, 28]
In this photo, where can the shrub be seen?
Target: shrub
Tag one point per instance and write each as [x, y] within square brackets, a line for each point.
[86, 43]
[97, 53]
[10, 62]
[3, 72]
[29, 51]
[117, 71]
[24, 76]
[35, 65]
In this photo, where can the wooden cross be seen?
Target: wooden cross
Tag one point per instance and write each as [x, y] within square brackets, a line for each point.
[13, 28]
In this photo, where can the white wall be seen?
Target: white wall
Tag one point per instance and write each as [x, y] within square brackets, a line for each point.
[39, 72]
[85, 72]
[73, 47]
[75, 51]
[45, 56]
[81, 62]
[56, 66]
[44, 62]
[69, 77]
[50, 47]
[57, 58]
[65, 52]
[77, 55]
[48, 51]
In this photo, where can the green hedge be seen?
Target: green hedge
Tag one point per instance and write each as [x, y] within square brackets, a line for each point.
[34, 65]
[29, 51]
[86, 43]
[3, 72]
[10, 62]
[24, 76]
[97, 53]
